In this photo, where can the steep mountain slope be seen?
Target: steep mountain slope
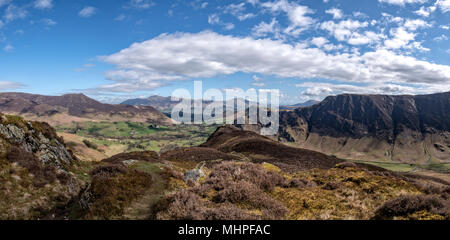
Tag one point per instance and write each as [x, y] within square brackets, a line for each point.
[413, 129]
[35, 169]
[75, 107]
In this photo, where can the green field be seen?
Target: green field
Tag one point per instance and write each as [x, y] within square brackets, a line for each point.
[406, 167]
[140, 136]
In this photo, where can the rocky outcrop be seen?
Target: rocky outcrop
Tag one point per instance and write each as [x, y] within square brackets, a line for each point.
[374, 127]
[35, 169]
[48, 151]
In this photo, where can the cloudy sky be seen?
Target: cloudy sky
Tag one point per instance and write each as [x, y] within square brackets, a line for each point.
[309, 49]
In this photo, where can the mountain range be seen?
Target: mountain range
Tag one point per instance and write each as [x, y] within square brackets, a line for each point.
[411, 129]
[165, 104]
[75, 107]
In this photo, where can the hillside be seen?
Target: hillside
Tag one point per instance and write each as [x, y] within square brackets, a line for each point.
[411, 129]
[75, 107]
[36, 169]
[230, 177]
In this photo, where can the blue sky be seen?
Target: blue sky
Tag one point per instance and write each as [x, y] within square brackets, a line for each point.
[114, 50]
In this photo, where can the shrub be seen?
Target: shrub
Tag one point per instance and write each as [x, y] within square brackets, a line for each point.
[238, 192]
[252, 173]
[90, 144]
[406, 205]
[109, 170]
[183, 205]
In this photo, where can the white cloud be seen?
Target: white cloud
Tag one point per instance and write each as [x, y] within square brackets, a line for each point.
[368, 37]
[121, 17]
[4, 2]
[43, 4]
[253, 2]
[402, 2]
[198, 4]
[360, 15]
[441, 38]
[263, 29]
[141, 4]
[404, 36]
[48, 21]
[347, 31]
[413, 25]
[174, 57]
[87, 12]
[13, 12]
[315, 89]
[401, 38]
[5, 85]
[1, 24]
[337, 13]
[319, 41]
[238, 10]
[297, 15]
[258, 82]
[228, 26]
[425, 11]
[8, 48]
[444, 5]
[213, 19]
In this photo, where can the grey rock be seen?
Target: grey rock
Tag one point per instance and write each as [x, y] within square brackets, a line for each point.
[193, 175]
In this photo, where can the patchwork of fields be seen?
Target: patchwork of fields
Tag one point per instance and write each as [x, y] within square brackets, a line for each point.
[97, 140]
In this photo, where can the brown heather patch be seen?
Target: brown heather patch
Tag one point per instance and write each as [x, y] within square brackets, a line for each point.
[42, 174]
[21, 199]
[113, 188]
[232, 191]
[417, 207]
